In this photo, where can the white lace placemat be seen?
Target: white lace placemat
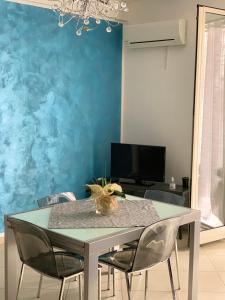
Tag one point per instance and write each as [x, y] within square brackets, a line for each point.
[81, 214]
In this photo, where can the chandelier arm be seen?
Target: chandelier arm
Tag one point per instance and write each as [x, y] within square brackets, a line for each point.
[77, 25]
[71, 18]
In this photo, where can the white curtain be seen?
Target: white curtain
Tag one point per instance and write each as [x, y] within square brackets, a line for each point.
[211, 168]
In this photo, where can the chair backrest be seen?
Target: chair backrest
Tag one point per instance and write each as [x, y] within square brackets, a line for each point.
[34, 247]
[166, 197]
[156, 243]
[56, 199]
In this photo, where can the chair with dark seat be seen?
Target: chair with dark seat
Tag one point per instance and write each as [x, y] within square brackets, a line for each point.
[154, 246]
[36, 251]
[170, 198]
[163, 196]
[60, 198]
[56, 199]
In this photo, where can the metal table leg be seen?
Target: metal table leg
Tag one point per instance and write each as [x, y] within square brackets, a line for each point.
[193, 260]
[90, 274]
[10, 264]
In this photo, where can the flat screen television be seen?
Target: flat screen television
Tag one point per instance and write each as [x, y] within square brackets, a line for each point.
[138, 163]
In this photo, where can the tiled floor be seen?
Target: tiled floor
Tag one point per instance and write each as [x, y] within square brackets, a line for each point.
[211, 279]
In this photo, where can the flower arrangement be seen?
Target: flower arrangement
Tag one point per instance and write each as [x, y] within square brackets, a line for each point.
[104, 195]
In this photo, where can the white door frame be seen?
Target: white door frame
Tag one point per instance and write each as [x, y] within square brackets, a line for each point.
[217, 233]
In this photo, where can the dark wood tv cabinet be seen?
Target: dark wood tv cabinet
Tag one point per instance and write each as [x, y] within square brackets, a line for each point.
[139, 190]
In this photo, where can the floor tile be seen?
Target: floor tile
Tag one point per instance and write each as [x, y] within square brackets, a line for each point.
[214, 248]
[2, 295]
[222, 276]
[218, 260]
[208, 282]
[211, 296]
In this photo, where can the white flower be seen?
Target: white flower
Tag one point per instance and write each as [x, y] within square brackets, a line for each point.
[110, 188]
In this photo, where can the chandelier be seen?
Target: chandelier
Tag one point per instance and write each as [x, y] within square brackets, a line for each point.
[88, 14]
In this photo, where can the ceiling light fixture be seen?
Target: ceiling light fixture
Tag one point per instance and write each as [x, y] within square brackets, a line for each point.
[88, 14]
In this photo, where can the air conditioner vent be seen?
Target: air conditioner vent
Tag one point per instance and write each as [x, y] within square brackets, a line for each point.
[157, 34]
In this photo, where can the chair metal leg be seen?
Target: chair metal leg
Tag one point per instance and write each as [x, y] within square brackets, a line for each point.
[110, 270]
[67, 290]
[114, 283]
[128, 286]
[99, 284]
[80, 287]
[62, 289]
[39, 286]
[146, 283]
[131, 280]
[180, 233]
[171, 279]
[109, 275]
[20, 280]
[177, 266]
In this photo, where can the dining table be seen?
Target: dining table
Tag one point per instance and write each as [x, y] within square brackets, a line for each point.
[93, 242]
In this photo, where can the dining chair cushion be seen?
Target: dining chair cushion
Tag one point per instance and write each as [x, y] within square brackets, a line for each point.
[122, 260]
[67, 264]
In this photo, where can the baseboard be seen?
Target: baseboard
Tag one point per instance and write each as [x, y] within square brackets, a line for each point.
[212, 235]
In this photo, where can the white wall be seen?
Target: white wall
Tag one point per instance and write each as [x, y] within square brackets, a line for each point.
[158, 99]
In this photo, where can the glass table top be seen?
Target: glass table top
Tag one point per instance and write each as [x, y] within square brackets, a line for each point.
[40, 218]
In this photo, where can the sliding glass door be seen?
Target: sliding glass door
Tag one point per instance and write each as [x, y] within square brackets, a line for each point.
[208, 192]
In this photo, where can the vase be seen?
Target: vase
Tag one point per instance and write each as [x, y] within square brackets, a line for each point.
[106, 205]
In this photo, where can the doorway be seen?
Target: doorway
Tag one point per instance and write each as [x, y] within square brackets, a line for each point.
[208, 193]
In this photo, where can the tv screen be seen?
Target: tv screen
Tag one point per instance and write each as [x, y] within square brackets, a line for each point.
[138, 162]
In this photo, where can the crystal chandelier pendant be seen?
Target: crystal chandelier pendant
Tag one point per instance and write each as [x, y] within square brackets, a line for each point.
[108, 29]
[79, 32]
[86, 22]
[82, 11]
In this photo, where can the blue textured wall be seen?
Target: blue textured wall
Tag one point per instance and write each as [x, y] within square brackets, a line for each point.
[59, 105]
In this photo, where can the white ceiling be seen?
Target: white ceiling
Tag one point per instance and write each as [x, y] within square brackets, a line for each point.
[44, 3]
[49, 3]
[39, 3]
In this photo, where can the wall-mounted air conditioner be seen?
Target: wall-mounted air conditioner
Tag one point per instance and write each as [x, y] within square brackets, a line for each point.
[156, 34]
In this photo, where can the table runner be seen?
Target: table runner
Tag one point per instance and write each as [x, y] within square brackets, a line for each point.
[81, 214]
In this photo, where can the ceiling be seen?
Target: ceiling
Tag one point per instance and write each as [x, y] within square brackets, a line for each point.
[39, 3]
[49, 3]
[43, 3]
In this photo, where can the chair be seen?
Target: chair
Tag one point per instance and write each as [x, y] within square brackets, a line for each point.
[36, 251]
[60, 198]
[154, 246]
[166, 197]
[56, 199]
[172, 199]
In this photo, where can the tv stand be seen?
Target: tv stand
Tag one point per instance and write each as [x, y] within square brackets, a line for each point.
[147, 183]
[135, 182]
[126, 180]
[140, 189]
